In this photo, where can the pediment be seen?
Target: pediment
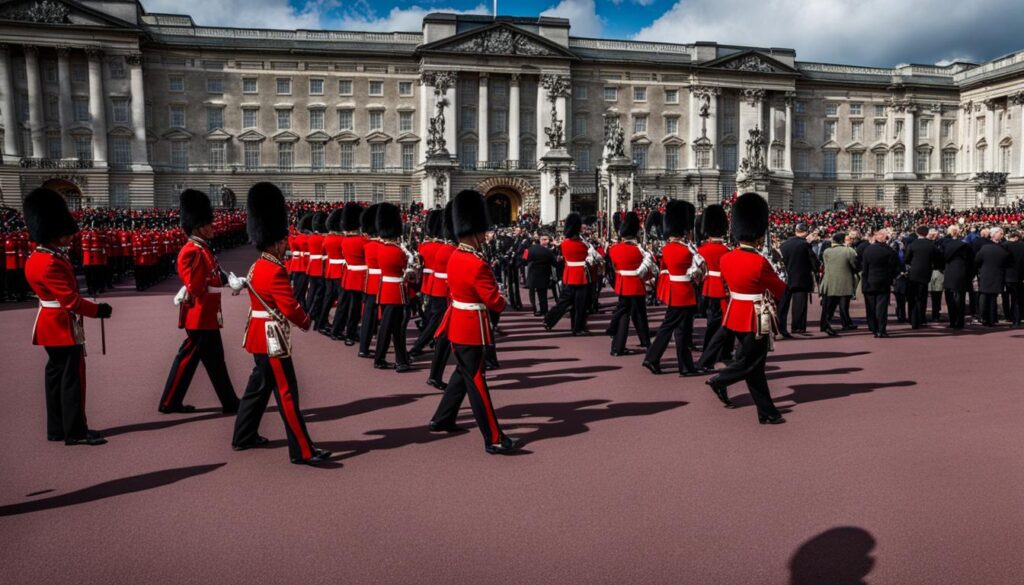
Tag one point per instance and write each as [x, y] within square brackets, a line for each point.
[408, 138]
[378, 137]
[702, 141]
[855, 147]
[80, 131]
[880, 148]
[640, 139]
[981, 143]
[801, 143]
[285, 136]
[924, 148]
[582, 141]
[60, 12]
[831, 145]
[751, 61]
[499, 39]
[951, 146]
[122, 131]
[251, 136]
[1007, 141]
[346, 136]
[672, 140]
[177, 134]
[318, 136]
[218, 135]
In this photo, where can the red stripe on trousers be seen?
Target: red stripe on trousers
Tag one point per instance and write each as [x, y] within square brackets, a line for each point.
[291, 417]
[481, 389]
[181, 370]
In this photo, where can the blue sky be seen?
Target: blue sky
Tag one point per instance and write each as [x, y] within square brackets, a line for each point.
[864, 32]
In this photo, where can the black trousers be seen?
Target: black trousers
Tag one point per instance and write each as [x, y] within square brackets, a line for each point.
[678, 324]
[442, 351]
[797, 300]
[300, 285]
[469, 378]
[332, 288]
[718, 349]
[828, 310]
[392, 328]
[749, 368]
[369, 324]
[206, 346]
[844, 311]
[347, 315]
[917, 295]
[877, 307]
[630, 308]
[989, 308]
[901, 306]
[433, 314]
[277, 376]
[956, 307]
[575, 297]
[515, 299]
[65, 392]
[936, 304]
[315, 296]
[1012, 302]
[539, 300]
[714, 315]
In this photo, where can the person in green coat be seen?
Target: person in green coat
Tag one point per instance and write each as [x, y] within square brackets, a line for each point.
[839, 280]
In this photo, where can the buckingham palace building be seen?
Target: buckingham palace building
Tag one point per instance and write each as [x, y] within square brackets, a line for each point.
[116, 106]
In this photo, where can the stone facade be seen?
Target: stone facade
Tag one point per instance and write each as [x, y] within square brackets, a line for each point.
[117, 106]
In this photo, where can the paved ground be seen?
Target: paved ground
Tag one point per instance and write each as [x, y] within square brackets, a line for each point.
[901, 463]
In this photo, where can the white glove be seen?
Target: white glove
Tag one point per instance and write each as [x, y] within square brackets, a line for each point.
[181, 296]
[236, 283]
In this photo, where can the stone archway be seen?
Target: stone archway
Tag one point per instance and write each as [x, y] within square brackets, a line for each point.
[71, 192]
[508, 198]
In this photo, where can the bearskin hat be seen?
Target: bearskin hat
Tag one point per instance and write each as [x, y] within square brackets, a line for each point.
[449, 223]
[320, 222]
[630, 227]
[305, 223]
[350, 217]
[469, 214]
[47, 216]
[435, 223]
[334, 220]
[714, 221]
[679, 216]
[368, 221]
[389, 221]
[196, 210]
[749, 217]
[653, 222]
[590, 220]
[573, 225]
[267, 223]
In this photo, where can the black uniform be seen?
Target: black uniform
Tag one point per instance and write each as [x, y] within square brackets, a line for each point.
[540, 262]
[921, 257]
[1012, 302]
[801, 264]
[992, 262]
[958, 258]
[879, 266]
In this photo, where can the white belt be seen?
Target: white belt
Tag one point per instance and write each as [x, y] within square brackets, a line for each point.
[49, 304]
[336, 261]
[745, 297]
[679, 278]
[469, 306]
[316, 257]
[260, 315]
[375, 271]
[394, 279]
[628, 273]
[428, 271]
[441, 275]
[714, 273]
[357, 267]
[575, 264]
[213, 291]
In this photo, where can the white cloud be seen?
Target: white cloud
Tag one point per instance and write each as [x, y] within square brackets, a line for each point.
[870, 32]
[241, 13]
[397, 19]
[582, 15]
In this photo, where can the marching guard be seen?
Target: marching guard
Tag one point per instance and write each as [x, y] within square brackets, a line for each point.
[315, 270]
[393, 292]
[633, 266]
[334, 269]
[199, 311]
[436, 304]
[58, 326]
[575, 279]
[368, 326]
[718, 342]
[350, 307]
[439, 284]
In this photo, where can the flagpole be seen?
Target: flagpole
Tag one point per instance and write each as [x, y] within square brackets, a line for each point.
[495, 8]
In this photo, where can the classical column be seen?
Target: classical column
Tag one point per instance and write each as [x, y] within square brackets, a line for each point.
[425, 113]
[713, 125]
[67, 147]
[35, 101]
[513, 117]
[450, 117]
[1018, 100]
[97, 107]
[936, 164]
[966, 152]
[771, 136]
[693, 123]
[908, 131]
[10, 116]
[990, 135]
[541, 113]
[787, 159]
[482, 129]
[138, 110]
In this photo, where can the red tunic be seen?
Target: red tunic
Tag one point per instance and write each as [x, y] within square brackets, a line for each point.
[678, 289]
[315, 242]
[439, 284]
[392, 261]
[269, 279]
[355, 262]
[199, 272]
[52, 278]
[373, 267]
[474, 292]
[334, 256]
[293, 248]
[575, 253]
[302, 252]
[626, 257]
[428, 250]
[746, 272]
[712, 252]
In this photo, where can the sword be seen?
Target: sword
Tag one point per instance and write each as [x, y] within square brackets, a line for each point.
[103, 333]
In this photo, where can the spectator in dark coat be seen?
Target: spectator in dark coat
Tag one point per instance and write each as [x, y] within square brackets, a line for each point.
[991, 260]
[801, 264]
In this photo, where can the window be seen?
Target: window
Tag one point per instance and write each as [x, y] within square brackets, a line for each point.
[215, 85]
[582, 157]
[802, 161]
[249, 85]
[948, 162]
[405, 121]
[979, 162]
[498, 89]
[879, 194]
[806, 199]
[405, 88]
[527, 154]
[729, 157]
[879, 130]
[499, 121]
[121, 151]
[579, 125]
[1004, 159]
[214, 119]
[121, 111]
[179, 155]
[119, 195]
[639, 124]
[856, 164]
[83, 147]
[671, 126]
[640, 156]
[671, 96]
[499, 152]
[728, 120]
[347, 155]
[857, 131]
[345, 120]
[284, 86]
[469, 118]
[285, 155]
[778, 158]
[800, 107]
[286, 189]
[376, 120]
[980, 125]
[408, 157]
[249, 116]
[378, 190]
[639, 94]
[344, 87]
[317, 159]
[611, 94]
[579, 92]
[703, 158]
[54, 148]
[404, 194]
[879, 164]
[252, 155]
[879, 111]
[116, 66]
[217, 150]
[320, 191]
[177, 117]
[377, 156]
[898, 160]
[830, 130]
[899, 129]
[923, 158]
[348, 192]
[468, 157]
[528, 122]
[672, 157]
[176, 84]
[284, 119]
[947, 128]
[376, 88]
[831, 109]
[925, 126]
[856, 110]
[316, 87]
[316, 120]
[79, 73]
[800, 128]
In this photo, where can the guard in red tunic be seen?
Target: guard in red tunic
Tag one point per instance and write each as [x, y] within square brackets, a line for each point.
[316, 267]
[334, 269]
[368, 327]
[272, 306]
[439, 289]
[752, 282]
[474, 292]
[718, 342]
[435, 305]
[678, 292]
[392, 293]
[301, 253]
[199, 311]
[350, 307]
[627, 257]
[58, 325]
[575, 279]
